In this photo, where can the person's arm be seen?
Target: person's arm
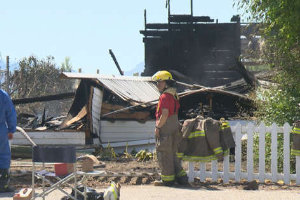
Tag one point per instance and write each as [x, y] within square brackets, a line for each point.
[162, 120]
[11, 117]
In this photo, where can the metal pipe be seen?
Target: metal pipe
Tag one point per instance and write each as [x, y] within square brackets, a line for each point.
[26, 136]
[127, 108]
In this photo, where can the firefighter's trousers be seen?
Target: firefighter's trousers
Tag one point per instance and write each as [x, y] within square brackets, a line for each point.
[4, 179]
[166, 148]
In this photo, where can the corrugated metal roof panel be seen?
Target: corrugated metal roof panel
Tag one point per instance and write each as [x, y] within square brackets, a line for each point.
[132, 90]
[129, 88]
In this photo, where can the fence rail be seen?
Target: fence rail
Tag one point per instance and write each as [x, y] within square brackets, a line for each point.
[251, 131]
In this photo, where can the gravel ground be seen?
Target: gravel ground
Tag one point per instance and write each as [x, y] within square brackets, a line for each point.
[150, 192]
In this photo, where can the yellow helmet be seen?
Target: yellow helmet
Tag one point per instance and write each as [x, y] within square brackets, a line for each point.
[162, 76]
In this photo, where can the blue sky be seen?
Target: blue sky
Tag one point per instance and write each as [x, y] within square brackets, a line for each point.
[85, 30]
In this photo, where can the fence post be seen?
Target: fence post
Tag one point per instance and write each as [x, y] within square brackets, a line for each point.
[202, 171]
[214, 170]
[238, 152]
[274, 152]
[298, 170]
[191, 171]
[226, 169]
[286, 153]
[250, 131]
[262, 152]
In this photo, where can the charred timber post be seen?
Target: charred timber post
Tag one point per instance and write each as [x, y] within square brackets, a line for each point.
[192, 8]
[210, 102]
[7, 75]
[44, 98]
[169, 10]
[116, 62]
[145, 21]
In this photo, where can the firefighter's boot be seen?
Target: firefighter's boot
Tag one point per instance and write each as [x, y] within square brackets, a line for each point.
[4, 181]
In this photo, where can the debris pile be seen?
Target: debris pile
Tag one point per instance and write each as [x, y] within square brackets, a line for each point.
[42, 123]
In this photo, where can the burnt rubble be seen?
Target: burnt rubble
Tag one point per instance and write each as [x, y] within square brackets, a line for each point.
[40, 123]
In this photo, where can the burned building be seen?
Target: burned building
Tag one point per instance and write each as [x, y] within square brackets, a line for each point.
[196, 49]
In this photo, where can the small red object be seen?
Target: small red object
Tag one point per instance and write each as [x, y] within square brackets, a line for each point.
[62, 169]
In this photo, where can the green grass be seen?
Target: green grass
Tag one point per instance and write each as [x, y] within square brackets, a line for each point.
[258, 68]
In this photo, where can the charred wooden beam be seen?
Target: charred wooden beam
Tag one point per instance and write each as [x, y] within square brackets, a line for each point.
[116, 62]
[154, 33]
[189, 18]
[44, 98]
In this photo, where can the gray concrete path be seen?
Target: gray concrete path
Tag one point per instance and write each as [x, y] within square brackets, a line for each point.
[150, 192]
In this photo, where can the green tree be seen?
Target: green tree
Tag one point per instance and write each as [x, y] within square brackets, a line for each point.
[39, 77]
[280, 102]
[66, 66]
[281, 19]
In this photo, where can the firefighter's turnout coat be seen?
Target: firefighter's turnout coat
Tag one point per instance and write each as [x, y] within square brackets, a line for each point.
[205, 140]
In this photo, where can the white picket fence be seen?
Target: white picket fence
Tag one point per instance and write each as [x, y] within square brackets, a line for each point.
[249, 173]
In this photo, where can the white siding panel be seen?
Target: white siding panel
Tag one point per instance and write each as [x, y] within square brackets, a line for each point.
[50, 138]
[122, 131]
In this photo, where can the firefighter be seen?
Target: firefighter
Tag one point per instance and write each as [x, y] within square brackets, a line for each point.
[8, 122]
[167, 131]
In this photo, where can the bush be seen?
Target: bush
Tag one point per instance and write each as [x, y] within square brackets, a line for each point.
[144, 155]
[268, 153]
[107, 153]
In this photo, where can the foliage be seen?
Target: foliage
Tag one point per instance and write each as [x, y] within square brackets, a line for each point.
[281, 19]
[133, 152]
[38, 77]
[126, 155]
[268, 160]
[278, 104]
[66, 66]
[144, 155]
[107, 153]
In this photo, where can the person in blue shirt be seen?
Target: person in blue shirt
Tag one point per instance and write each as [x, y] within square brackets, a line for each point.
[8, 123]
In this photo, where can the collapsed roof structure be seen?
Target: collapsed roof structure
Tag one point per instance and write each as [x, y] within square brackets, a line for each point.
[98, 97]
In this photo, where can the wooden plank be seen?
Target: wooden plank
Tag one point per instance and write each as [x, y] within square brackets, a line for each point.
[262, 152]
[50, 138]
[202, 171]
[154, 33]
[110, 140]
[250, 132]
[226, 169]
[58, 141]
[78, 117]
[128, 123]
[238, 152]
[127, 126]
[214, 170]
[48, 134]
[127, 114]
[130, 143]
[274, 154]
[286, 153]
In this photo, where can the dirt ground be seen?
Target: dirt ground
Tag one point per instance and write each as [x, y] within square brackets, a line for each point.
[131, 172]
